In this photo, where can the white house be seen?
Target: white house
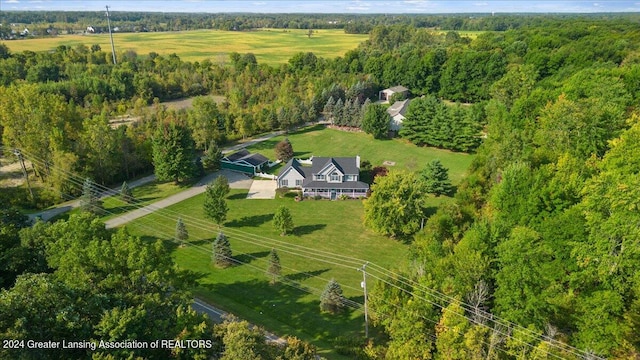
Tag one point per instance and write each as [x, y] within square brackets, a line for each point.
[326, 177]
[396, 113]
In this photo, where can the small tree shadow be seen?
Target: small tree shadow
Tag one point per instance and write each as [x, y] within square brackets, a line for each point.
[255, 220]
[301, 276]
[308, 229]
[249, 257]
[237, 196]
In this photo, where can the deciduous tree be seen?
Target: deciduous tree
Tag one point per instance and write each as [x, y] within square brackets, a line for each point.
[396, 205]
[376, 121]
[215, 203]
[173, 153]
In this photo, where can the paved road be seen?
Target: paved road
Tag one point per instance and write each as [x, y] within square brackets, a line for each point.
[236, 181]
[47, 215]
[218, 316]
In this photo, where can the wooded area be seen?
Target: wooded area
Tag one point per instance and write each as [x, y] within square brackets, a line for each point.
[537, 257]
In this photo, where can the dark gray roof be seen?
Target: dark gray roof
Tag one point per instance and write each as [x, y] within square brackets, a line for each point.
[237, 155]
[255, 159]
[293, 163]
[346, 164]
[326, 185]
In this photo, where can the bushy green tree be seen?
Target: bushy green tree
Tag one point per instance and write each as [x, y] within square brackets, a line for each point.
[274, 268]
[331, 299]
[222, 255]
[436, 179]
[212, 157]
[283, 221]
[376, 121]
[182, 234]
[396, 205]
[173, 153]
[215, 203]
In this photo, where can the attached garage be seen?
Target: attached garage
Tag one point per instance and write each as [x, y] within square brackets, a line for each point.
[245, 162]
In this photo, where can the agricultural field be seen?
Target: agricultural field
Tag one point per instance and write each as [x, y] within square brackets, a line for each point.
[270, 46]
[321, 227]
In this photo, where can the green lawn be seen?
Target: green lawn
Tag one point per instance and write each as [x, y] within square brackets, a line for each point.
[323, 142]
[270, 46]
[322, 227]
[144, 195]
[332, 226]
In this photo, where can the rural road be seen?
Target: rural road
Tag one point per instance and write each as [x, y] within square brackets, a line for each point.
[61, 209]
[218, 315]
[236, 181]
[199, 188]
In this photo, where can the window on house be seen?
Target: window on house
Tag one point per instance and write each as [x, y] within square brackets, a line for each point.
[284, 182]
[298, 182]
[320, 177]
[335, 177]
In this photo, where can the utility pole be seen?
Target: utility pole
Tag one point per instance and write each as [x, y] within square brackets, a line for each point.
[17, 153]
[366, 308]
[113, 48]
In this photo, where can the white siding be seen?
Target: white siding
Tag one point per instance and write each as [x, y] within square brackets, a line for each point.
[290, 176]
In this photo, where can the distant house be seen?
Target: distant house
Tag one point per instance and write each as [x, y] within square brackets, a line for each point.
[386, 94]
[245, 162]
[396, 113]
[327, 177]
[90, 29]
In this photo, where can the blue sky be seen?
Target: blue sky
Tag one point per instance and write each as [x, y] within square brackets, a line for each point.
[327, 6]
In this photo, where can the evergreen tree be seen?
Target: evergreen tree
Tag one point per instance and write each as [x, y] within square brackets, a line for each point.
[376, 121]
[274, 266]
[212, 157]
[181, 231]
[283, 221]
[328, 108]
[173, 153]
[126, 194]
[331, 299]
[436, 179]
[90, 200]
[284, 150]
[338, 109]
[215, 203]
[222, 255]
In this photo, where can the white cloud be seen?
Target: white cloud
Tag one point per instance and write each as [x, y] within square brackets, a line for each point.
[481, 4]
[12, 1]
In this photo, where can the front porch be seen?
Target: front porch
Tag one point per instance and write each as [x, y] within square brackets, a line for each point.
[333, 194]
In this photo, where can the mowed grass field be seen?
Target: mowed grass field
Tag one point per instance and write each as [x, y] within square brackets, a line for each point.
[270, 46]
[325, 233]
[318, 141]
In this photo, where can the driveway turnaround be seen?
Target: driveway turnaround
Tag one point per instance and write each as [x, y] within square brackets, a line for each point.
[262, 189]
[236, 181]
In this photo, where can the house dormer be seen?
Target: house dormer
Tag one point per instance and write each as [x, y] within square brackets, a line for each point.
[331, 172]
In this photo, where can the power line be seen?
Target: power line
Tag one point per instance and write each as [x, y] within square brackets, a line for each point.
[348, 262]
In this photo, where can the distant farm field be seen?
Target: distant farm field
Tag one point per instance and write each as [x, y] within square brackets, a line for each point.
[270, 46]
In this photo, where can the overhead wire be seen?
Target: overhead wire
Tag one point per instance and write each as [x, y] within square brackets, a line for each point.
[338, 260]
